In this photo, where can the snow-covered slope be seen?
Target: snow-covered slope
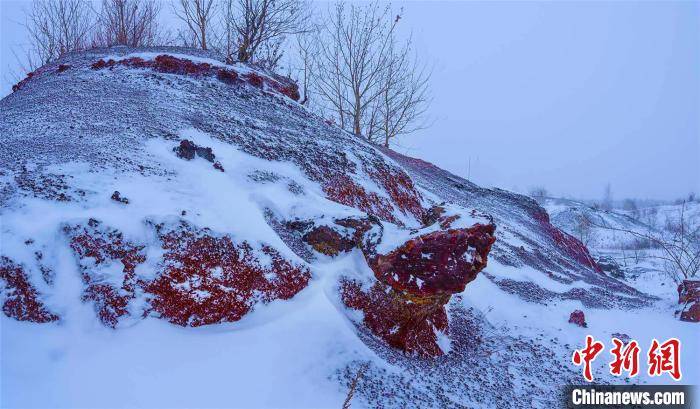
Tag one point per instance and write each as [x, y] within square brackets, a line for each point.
[178, 232]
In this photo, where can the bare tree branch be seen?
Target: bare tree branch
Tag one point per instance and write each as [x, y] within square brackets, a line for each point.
[198, 15]
[254, 30]
[680, 245]
[56, 27]
[128, 22]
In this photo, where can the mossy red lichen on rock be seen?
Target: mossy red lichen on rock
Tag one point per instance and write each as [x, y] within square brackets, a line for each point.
[207, 278]
[95, 246]
[22, 300]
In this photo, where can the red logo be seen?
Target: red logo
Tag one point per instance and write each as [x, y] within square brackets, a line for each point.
[665, 358]
[662, 358]
[586, 355]
[626, 357]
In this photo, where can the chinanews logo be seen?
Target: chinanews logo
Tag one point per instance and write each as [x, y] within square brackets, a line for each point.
[661, 359]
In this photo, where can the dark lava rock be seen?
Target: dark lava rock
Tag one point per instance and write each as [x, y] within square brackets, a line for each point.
[117, 197]
[188, 149]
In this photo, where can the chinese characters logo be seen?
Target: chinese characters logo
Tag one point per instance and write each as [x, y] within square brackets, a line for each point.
[661, 358]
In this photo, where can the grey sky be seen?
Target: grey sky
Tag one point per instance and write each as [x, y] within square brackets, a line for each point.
[568, 95]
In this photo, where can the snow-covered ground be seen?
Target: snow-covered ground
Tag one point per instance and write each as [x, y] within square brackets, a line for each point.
[509, 344]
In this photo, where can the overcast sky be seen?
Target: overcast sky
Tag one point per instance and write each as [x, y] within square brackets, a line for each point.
[566, 95]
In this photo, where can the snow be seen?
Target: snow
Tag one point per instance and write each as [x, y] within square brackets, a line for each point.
[287, 353]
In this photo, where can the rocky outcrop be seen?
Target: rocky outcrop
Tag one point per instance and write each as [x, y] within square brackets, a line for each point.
[342, 235]
[107, 263]
[689, 299]
[202, 278]
[405, 305]
[168, 64]
[22, 300]
[207, 278]
[403, 321]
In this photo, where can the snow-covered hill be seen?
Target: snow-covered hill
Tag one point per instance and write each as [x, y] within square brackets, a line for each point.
[178, 232]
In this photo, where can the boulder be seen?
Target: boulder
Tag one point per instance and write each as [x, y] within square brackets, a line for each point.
[689, 298]
[579, 318]
[405, 306]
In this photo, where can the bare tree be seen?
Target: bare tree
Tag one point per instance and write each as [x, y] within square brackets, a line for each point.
[583, 230]
[354, 53]
[679, 244]
[607, 203]
[404, 96]
[198, 15]
[128, 22]
[56, 27]
[256, 29]
[307, 55]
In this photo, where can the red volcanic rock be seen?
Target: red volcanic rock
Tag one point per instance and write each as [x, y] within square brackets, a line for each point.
[207, 278]
[227, 76]
[577, 317]
[400, 188]
[22, 83]
[328, 241]
[62, 67]
[22, 299]
[342, 236]
[404, 322]
[173, 65]
[441, 262]
[344, 190]
[104, 245]
[254, 80]
[406, 305]
[689, 298]
[167, 64]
